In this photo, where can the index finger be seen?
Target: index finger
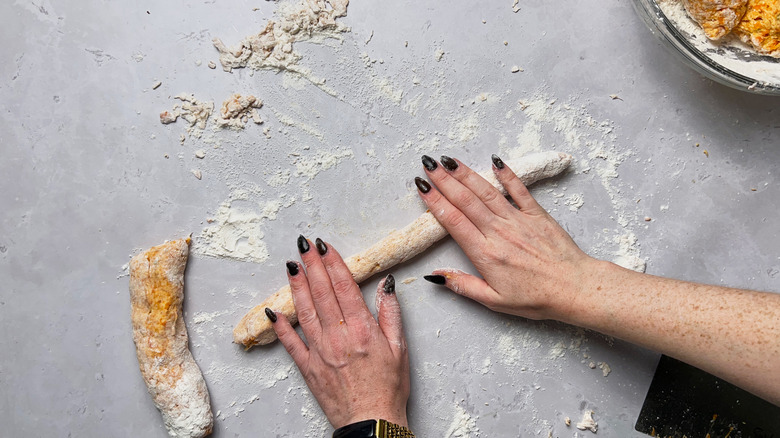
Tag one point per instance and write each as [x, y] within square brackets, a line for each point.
[322, 295]
[457, 224]
[463, 197]
[348, 293]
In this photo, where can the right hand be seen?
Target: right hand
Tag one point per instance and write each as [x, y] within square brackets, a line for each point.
[530, 266]
[355, 366]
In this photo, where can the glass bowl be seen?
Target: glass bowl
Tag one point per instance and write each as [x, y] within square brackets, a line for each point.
[729, 62]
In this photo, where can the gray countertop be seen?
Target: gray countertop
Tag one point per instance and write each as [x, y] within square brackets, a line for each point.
[90, 177]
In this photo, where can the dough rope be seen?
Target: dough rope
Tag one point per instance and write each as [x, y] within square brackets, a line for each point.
[398, 247]
[172, 377]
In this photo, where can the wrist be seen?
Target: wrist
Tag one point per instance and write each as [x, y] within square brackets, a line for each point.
[393, 410]
[585, 291]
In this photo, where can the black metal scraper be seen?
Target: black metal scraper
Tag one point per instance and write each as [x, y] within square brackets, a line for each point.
[684, 401]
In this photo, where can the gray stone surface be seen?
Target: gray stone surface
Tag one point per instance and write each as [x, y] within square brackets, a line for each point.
[86, 184]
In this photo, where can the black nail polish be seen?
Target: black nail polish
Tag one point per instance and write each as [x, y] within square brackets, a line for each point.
[292, 268]
[498, 162]
[422, 185]
[303, 244]
[449, 163]
[429, 163]
[435, 279]
[321, 247]
[389, 286]
[270, 314]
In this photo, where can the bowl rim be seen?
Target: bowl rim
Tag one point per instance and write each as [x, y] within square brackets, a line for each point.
[695, 58]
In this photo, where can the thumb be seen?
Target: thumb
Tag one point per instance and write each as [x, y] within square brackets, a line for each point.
[389, 314]
[464, 284]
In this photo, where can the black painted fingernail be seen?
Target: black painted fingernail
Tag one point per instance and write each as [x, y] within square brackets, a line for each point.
[303, 244]
[270, 314]
[422, 185]
[429, 163]
[498, 162]
[389, 284]
[292, 268]
[321, 247]
[435, 279]
[449, 163]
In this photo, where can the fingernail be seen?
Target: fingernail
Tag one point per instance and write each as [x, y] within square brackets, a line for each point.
[435, 279]
[422, 185]
[429, 163]
[321, 247]
[449, 163]
[270, 314]
[389, 284]
[292, 268]
[303, 244]
[498, 162]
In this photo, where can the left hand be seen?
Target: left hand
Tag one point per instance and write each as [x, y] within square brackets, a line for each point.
[357, 368]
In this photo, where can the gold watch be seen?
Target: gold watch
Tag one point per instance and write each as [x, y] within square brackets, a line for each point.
[373, 429]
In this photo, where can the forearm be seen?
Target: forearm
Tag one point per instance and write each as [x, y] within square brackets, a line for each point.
[731, 333]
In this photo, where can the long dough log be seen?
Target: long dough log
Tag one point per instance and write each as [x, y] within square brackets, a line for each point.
[399, 246]
[172, 377]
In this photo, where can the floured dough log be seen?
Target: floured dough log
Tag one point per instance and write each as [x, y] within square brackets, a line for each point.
[716, 17]
[400, 246]
[172, 377]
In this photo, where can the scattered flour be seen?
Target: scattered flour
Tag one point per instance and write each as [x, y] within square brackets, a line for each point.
[627, 254]
[237, 233]
[125, 271]
[258, 377]
[316, 422]
[289, 121]
[279, 179]
[560, 348]
[384, 85]
[205, 324]
[463, 425]
[486, 364]
[575, 201]
[514, 346]
[201, 317]
[310, 166]
[465, 129]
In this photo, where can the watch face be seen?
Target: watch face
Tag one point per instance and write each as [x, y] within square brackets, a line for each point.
[361, 429]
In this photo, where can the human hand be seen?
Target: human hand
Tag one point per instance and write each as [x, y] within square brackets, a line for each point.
[356, 368]
[529, 264]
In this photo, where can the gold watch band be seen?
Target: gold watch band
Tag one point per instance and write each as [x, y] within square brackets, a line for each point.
[386, 429]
